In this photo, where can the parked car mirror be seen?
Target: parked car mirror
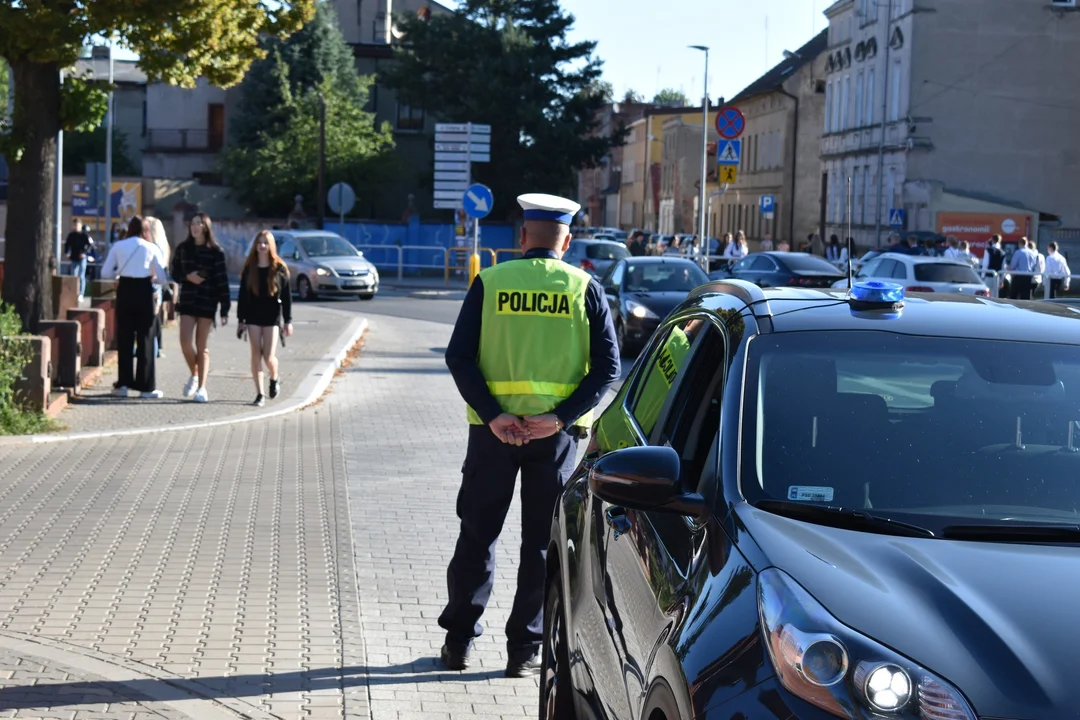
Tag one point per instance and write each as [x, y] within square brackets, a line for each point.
[644, 478]
[609, 290]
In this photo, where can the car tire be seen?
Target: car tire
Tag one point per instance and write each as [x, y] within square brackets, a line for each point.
[303, 289]
[620, 337]
[556, 687]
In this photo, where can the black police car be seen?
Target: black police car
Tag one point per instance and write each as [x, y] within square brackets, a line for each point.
[815, 504]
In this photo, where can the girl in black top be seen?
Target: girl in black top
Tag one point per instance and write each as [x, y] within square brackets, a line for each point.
[265, 305]
[198, 264]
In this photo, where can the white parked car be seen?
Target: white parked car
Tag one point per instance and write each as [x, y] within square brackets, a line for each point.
[921, 273]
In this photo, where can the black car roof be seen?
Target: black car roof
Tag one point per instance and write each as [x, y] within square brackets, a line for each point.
[928, 314]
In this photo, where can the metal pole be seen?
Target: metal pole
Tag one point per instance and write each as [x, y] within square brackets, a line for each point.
[884, 113]
[322, 161]
[703, 242]
[108, 154]
[60, 194]
[646, 175]
[849, 213]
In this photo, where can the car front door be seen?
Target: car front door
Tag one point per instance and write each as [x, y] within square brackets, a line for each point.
[644, 557]
[286, 250]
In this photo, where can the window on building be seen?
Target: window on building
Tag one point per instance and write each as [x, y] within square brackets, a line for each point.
[828, 106]
[409, 118]
[859, 100]
[215, 126]
[869, 197]
[837, 92]
[868, 97]
[873, 10]
[894, 91]
[890, 190]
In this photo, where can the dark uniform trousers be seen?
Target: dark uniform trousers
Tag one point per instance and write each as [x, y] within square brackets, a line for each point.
[135, 333]
[487, 488]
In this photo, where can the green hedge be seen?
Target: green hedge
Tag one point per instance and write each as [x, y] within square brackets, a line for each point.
[14, 355]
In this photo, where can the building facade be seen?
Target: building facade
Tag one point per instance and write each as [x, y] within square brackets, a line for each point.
[780, 151]
[680, 176]
[129, 99]
[936, 108]
[600, 187]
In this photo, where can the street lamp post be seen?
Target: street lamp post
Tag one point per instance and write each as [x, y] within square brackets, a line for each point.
[702, 240]
[108, 151]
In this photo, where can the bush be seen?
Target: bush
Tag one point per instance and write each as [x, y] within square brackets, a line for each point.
[14, 355]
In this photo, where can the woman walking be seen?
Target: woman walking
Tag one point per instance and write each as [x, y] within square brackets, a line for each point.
[136, 261]
[157, 236]
[198, 264]
[264, 307]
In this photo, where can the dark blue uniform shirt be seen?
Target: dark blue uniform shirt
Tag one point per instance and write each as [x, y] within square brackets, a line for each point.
[604, 365]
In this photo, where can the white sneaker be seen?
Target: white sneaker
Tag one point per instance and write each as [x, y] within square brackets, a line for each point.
[152, 395]
[120, 392]
[191, 386]
[201, 396]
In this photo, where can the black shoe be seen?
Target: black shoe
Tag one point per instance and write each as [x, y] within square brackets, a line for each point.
[522, 668]
[275, 387]
[259, 402]
[455, 657]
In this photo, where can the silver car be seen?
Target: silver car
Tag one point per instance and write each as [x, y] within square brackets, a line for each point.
[595, 255]
[324, 263]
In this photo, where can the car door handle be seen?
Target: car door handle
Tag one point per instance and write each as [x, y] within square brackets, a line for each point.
[616, 518]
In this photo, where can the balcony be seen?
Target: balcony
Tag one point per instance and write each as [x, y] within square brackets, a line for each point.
[184, 141]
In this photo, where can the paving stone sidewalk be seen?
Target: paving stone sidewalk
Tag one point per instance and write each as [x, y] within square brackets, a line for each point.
[317, 332]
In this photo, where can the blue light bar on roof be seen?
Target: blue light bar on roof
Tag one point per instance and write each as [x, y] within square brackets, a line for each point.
[877, 292]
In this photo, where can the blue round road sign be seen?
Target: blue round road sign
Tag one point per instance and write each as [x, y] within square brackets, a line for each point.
[477, 201]
[730, 123]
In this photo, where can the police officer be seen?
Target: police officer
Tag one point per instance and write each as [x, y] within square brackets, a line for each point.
[532, 353]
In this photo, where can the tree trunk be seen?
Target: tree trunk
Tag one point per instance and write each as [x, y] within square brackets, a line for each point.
[31, 225]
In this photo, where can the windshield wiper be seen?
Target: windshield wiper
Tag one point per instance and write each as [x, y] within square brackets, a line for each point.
[1014, 533]
[843, 518]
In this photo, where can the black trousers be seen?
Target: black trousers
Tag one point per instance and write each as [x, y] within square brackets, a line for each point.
[135, 334]
[487, 488]
[1055, 287]
[1021, 287]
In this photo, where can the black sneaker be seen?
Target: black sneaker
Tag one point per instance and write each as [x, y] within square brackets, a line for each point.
[523, 667]
[275, 387]
[259, 402]
[455, 657]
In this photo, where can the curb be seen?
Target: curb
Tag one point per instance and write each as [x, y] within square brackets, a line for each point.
[309, 392]
[438, 294]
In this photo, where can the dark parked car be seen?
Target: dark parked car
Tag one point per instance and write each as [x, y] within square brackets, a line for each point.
[780, 269]
[643, 290]
[805, 504]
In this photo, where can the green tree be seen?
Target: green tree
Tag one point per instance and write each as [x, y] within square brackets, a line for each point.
[669, 97]
[81, 148]
[177, 41]
[284, 159]
[632, 96]
[508, 63]
[602, 88]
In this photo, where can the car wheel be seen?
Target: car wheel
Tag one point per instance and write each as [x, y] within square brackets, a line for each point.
[620, 336]
[556, 691]
[303, 289]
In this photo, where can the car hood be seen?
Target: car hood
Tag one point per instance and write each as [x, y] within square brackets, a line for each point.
[660, 303]
[343, 262]
[997, 620]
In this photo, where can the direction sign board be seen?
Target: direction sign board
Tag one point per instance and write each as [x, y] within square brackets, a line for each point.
[730, 123]
[462, 127]
[478, 201]
[768, 203]
[341, 198]
[730, 152]
[896, 217]
[728, 173]
[447, 204]
[441, 166]
[463, 146]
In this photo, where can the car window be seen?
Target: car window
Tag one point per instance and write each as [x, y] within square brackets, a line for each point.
[614, 278]
[287, 248]
[658, 374]
[869, 269]
[745, 264]
[946, 273]
[875, 420]
[327, 246]
[762, 263]
[606, 251]
[899, 271]
[664, 277]
[803, 262]
[885, 269]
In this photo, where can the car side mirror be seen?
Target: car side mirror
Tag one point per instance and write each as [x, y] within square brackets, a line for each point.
[613, 291]
[644, 478]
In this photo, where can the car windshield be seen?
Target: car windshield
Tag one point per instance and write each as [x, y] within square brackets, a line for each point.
[606, 251]
[664, 277]
[799, 262]
[946, 273]
[327, 246]
[932, 431]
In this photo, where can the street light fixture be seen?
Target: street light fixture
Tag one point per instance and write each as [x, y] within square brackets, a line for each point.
[702, 241]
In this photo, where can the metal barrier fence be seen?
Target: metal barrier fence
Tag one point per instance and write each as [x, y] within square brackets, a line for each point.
[426, 257]
[1045, 286]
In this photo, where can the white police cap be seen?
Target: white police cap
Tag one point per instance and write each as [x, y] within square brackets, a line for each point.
[539, 206]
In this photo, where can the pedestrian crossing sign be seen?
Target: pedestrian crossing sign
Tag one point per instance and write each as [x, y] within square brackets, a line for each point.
[728, 173]
[730, 152]
[896, 217]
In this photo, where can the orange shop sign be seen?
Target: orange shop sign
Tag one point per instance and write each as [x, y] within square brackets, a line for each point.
[977, 228]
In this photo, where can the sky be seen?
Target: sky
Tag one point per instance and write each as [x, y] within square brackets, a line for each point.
[644, 44]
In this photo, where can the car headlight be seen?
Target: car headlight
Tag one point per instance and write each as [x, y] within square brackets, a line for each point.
[843, 672]
[640, 311]
[322, 271]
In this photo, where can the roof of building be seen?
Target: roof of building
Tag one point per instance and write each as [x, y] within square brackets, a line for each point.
[124, 71]
[776, 77]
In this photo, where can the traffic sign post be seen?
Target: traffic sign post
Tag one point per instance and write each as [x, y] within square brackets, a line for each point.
[342, 198]
[730, 123]
[768, 206]
[457, 147]
[477, 202]
[728, 173]
[896, 217]
[729, 152]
